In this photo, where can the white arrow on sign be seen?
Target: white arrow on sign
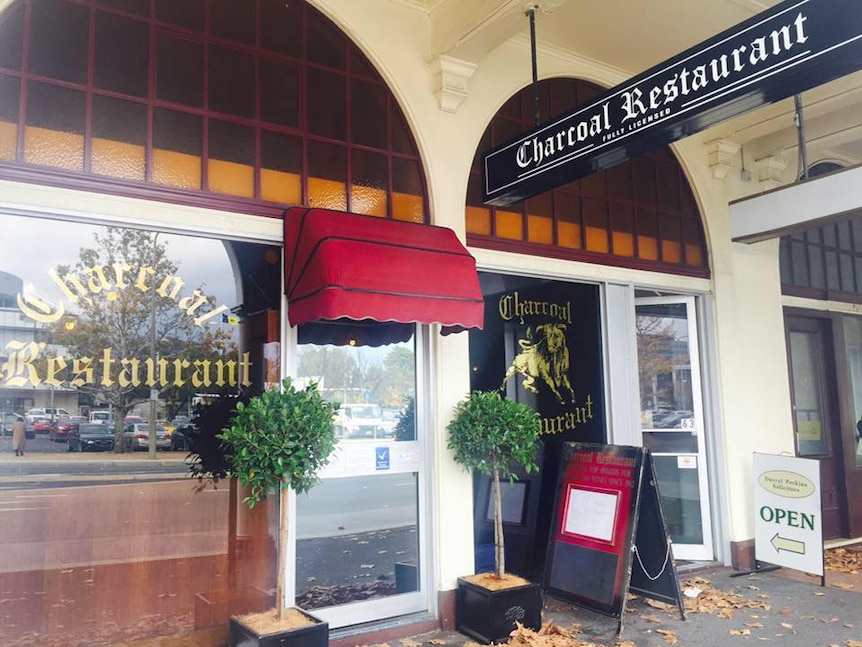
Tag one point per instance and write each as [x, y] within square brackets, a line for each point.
[790, 545]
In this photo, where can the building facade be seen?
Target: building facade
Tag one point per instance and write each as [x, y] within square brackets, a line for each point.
[202, 198]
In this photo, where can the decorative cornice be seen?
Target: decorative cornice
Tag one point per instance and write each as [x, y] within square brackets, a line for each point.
[450, 80]
[770, 170]
[720, 156]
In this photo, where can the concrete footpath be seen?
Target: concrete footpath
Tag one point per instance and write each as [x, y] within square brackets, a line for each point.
[722, 610]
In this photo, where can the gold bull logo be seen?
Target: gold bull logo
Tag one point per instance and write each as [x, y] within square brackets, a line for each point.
[545, 358]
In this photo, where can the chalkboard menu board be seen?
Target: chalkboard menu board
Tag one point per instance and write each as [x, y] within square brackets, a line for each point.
[609, 532]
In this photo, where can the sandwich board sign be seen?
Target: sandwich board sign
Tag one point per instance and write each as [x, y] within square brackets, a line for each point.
[609, 537]
[788, 528]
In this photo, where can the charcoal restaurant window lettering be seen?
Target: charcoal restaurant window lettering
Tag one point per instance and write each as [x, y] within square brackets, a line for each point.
[103, 316]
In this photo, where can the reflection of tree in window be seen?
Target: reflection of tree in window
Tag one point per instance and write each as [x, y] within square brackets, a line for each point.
[656, 340]
[349, 375]
[117, 317]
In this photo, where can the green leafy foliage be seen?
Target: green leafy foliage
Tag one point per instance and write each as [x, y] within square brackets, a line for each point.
[405, 426]
[491, 434]
[280, 439]
[206, 460]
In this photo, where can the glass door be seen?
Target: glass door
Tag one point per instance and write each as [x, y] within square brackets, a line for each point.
[672, 419]
[358, 540]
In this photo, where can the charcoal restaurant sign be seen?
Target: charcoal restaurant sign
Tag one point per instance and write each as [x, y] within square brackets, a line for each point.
[794, 46]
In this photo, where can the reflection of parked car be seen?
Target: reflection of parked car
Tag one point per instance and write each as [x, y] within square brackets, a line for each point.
[137, 436]
[41, 425]
[6, 420]
[46, 412]
[61, 428]
[90, 436]
[181, 438]
[360, 421]
[103, 416]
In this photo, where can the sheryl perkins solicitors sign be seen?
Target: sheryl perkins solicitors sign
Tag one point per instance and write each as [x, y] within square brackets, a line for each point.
[794, 46]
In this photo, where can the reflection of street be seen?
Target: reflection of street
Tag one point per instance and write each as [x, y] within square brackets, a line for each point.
[351, 533]
[47, 464]
[357, 504]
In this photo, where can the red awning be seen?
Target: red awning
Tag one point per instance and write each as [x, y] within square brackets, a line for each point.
[343, 265]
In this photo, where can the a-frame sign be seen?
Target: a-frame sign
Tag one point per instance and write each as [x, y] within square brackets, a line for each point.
[609, 535]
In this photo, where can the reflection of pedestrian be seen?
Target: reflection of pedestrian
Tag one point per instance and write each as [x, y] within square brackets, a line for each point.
[18, 430]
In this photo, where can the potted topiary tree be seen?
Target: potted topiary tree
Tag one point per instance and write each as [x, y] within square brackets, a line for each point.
[493, 435]
[280, 440]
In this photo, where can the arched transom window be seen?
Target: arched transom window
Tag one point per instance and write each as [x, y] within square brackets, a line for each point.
[257, 102]
[639, 214]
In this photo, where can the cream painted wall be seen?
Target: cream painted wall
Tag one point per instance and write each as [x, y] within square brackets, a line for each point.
[394, 36]
[751, 375]
[749, 380]
[753, 372]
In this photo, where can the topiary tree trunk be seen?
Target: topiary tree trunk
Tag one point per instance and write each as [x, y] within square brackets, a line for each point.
[279, 440]
[493, 435]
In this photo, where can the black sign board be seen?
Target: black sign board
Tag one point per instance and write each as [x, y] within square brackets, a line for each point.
[542, 339]
[609, 535]
[794, 46]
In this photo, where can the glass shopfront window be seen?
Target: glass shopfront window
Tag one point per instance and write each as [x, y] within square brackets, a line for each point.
[358, 540]
[115, 344]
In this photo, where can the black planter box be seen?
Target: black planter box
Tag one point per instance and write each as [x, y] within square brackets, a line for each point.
[316, 635]
[490, 616]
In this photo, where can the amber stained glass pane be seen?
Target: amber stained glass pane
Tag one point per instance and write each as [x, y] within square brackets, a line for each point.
[671, 250]
[568, 211]
[54, 148]
[119, 137]
[407, 180]
[177, 148]
[509, 224]
[647, 228]
[230, 165]
[370, 183]
[595, 226]
[327, 176]
[540, 228]
[622, 230]
[478, 220]
[281, 172]
[693, 245]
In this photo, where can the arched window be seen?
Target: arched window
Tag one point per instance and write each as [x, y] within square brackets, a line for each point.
[638, 214]
[250, 105]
